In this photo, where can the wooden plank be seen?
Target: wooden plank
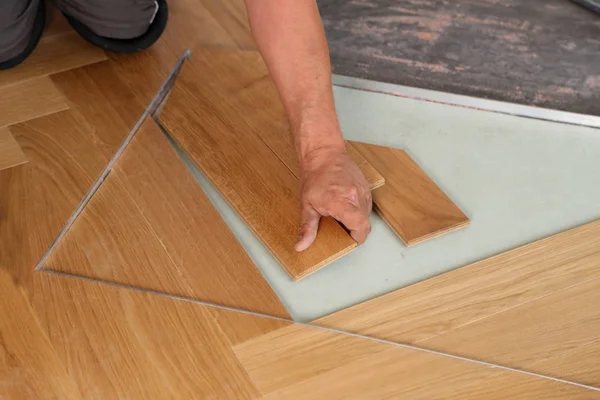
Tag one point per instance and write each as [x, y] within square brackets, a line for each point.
[411, 203]
[448, 301]
[123, 344]
[10, 153]
[29, 367]
[232, 17]
[38, 197]
[527, 334]
[303, 363]
[247, 173]
[151, 226]
[54, 53]
[242, 81]
[28, 100]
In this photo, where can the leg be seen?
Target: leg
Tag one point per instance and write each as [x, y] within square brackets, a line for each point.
[122, 26]
[21, 26]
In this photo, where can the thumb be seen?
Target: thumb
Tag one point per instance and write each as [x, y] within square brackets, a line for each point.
[309, 224]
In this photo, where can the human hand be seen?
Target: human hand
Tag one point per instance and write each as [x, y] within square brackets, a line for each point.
[331, 184]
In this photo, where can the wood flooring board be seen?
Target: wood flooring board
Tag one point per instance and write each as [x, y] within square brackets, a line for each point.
[242, 80]
[10, 153]
[459, 297]
[232, 16]
[527, 334]
[37, 198]
[246, 172]
[54, 54]
[582, 364]
[207, 254]
[410, 203]
[28, 100]
[105, 99]
[503, 386]
[29, 367]
[119, 343]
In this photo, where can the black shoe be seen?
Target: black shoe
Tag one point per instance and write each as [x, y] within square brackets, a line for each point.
[153, 33]
[36, 34]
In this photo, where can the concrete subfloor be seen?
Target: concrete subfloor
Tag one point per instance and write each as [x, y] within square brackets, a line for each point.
[519, 179]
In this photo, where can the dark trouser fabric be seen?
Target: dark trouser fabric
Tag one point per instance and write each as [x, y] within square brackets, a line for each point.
[116, 19]
[16, 25]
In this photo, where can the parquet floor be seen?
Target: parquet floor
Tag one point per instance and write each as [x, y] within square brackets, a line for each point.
[147, 333]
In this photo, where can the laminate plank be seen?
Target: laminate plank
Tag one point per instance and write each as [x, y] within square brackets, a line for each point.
[232, 17]
[303, 363]
[411, 203]
[28, 100]
[518, 387]
[582, 364]
[29, 367]
[448, 301]
[150, 225]
[105, 99]
[38, 197]
[534, 331]
[242, 80]
[119, 343]
[10, 153]
[247, 173]
[54, 53]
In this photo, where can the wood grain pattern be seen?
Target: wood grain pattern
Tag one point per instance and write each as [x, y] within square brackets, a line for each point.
[247, 173]
[28, 100]
[411, 203]
[54, 53]
[528, 334]
[10, 153]
[37, 198]
[118, 343]
[29, 367]
[303, 363]
[151, 226]
[459, 297]
[242, 81]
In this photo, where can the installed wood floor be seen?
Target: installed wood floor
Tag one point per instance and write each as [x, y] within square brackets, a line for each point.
[64, 337]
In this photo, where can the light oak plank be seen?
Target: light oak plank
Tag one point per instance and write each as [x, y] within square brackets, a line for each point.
[448, 301]
[411, 203]
[582, 364]
[123, 344]
[10, 153]
[151, 226]
[242, 82]
[29, 367]
[105, 99]
[518, 387]
[28, 100]
[38, 197]
[303, 363]
[54, 53]
[534, 331]
[232, 17]
[56, 23]
[246, 172]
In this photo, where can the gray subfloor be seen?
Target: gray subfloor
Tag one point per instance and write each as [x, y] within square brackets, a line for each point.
[518, 179]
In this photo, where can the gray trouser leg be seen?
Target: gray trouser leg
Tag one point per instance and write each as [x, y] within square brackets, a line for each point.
[16, 24]
[116, 19]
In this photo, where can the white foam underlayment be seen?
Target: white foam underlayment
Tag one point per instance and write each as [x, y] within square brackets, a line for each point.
[518, 179]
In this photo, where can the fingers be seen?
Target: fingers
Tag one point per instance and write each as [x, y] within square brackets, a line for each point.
[309, 224]
[354, 219]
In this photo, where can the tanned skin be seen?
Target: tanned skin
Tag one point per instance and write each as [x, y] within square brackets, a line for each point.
[290, 37]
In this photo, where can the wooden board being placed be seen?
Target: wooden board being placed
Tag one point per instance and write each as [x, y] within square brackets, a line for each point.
[10, 153]
[246, 172]
[410, 202]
